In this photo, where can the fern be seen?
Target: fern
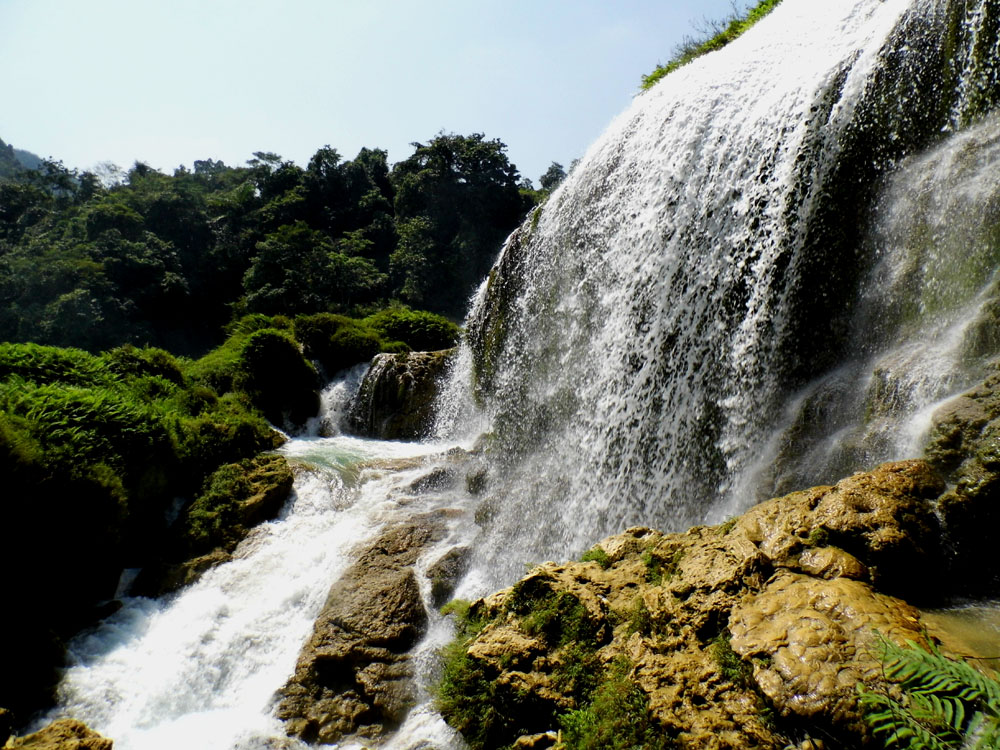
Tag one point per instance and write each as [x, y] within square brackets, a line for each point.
[946, 703]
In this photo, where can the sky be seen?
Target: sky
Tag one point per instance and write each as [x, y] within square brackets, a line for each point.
[167, 82]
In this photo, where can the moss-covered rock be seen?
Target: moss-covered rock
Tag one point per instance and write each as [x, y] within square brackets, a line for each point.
[235, 498]
[964, 445]
[753, 633]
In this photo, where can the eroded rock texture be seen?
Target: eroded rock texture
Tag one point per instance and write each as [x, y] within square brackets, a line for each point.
[64, 734]
[753, 633]
[353, 675]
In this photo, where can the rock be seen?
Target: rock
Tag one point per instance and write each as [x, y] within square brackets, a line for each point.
[353, 675]
[883, 519]
[63, 734]
[812, 641]
[964, 444]
[735, 636]
[396, 397]
[238, 497]
[540, 741]
[446, 572]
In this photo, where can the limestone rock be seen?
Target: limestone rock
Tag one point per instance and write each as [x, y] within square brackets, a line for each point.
[353, 675]
[396, 397]
[812, 641]
[63, 734]
[883, 519]
[737, 635]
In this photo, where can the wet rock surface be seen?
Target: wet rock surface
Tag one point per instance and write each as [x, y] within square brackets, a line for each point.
[753, 633]
[396, 397]
[964, 445]
[353, 675]
[64, 734]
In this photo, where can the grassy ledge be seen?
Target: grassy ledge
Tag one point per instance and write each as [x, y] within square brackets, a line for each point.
[717, 36]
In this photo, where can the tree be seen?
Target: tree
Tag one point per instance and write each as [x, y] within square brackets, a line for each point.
[554, 175]
[467, 192]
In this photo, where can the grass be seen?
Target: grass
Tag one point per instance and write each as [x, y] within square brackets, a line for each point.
[716, 36]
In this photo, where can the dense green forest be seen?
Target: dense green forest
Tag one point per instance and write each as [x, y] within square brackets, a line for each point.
[154, 327]
[168, 260]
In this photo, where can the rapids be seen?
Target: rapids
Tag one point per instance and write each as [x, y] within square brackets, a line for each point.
[763, 275]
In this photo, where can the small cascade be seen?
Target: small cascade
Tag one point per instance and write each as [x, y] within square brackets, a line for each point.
[335, 402]
[927, 321]
[763, 276]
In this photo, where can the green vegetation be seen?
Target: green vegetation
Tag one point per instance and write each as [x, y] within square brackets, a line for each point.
[945, 703]
[486, 714]
[616, 716]
[597, 555]
[717, 35]
[660, 566]
[169, 260]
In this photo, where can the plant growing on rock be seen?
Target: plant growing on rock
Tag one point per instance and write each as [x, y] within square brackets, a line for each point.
[945, 703]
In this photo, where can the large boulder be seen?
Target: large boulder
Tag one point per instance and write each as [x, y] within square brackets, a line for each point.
[353, 675]
[746, 634]
[397, 395]
[236, 498]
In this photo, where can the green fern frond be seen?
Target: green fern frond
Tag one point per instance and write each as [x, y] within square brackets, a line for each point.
[946, 704]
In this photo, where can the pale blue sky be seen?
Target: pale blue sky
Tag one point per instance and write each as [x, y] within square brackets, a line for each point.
[171, 81]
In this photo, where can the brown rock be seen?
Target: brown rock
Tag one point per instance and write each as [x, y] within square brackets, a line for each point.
[811, 642]
[353, 676]
[396, 397]
[770, 614]
[62, 734]
[446, 572]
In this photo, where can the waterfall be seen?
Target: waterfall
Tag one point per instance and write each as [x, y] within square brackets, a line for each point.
[763, 275]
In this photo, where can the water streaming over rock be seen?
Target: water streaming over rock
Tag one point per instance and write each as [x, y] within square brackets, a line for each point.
[642, 339]
[749, 281]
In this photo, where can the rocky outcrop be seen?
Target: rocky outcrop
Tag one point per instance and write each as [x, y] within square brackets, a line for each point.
[964, 445]
[754, 633]
[353, 675]
[396, 397]
[238, 497]
[64, 734]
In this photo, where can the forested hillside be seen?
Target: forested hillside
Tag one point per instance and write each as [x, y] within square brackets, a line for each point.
[168, 260]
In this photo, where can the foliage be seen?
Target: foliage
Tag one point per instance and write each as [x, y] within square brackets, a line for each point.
[945, 704]
[421, 331]
[167, 260]
[597, 555]
[553, 177]
[718, 35]
[615, 718]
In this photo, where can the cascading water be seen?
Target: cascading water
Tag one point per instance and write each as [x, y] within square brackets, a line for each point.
[708, 309]
[641, 338]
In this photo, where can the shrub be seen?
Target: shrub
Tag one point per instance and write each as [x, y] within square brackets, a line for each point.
[276, 377]
[421, 331]
[49, 364]
[130, 362]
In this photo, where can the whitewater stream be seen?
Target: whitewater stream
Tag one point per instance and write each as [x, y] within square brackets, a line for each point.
[691, 332]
